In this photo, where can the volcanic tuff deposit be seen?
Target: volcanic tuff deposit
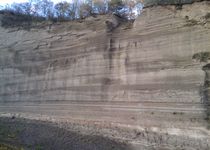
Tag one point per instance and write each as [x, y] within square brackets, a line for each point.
[146, 83]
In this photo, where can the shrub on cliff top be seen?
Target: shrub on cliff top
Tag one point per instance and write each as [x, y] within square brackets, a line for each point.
[167, 2]
[71, 10]
[12, 19]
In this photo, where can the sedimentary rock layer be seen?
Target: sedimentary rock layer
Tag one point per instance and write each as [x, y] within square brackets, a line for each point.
[141, 76]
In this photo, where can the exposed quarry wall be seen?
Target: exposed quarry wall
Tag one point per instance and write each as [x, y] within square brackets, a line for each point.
[141, 76]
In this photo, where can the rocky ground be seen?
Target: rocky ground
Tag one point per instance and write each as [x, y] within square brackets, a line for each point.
[38, 135]
[21, 134]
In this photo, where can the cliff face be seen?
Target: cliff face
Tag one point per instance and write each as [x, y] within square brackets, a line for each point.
[146, 76]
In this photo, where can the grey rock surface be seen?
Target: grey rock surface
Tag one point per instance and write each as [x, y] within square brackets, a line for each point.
[141, 77]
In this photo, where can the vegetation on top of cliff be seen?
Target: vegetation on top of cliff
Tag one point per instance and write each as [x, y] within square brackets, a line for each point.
[11, 19]
[148, 3]
[24, 14]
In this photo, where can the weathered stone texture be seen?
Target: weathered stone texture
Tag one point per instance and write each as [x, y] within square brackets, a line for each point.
[143, 76]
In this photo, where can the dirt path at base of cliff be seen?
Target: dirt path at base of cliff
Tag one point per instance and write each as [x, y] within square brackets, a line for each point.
[39, 135]
[26, 134]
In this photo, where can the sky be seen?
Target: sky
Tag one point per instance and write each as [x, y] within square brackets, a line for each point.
[4, 2]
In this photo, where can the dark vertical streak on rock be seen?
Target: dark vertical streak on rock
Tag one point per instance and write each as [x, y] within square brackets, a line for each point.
[206, 92]
[111, 52]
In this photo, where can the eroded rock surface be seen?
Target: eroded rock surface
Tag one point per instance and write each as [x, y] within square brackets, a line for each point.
[140, 77]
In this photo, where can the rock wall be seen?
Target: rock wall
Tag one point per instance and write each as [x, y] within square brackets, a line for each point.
[141, 76]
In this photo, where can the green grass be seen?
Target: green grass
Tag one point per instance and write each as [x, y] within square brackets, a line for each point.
[8, 147]
[39, 147]
[9, 134]
[6, 133]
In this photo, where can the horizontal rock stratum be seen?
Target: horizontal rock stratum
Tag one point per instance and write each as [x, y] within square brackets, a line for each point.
[151, 76]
